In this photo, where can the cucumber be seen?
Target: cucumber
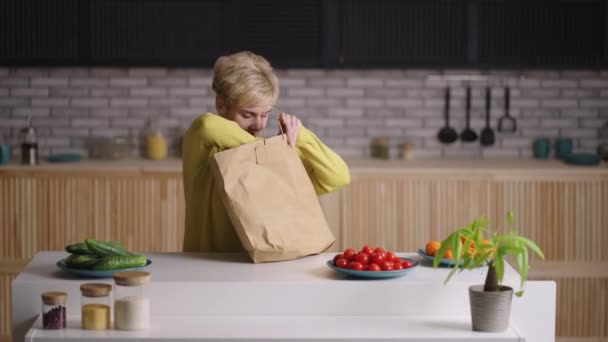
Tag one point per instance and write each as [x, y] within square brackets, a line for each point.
[105, 249]
[78, 248]
[81, 261]
[118, 246]
[117, 262]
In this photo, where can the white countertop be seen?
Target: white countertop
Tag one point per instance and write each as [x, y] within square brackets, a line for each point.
[237, 268]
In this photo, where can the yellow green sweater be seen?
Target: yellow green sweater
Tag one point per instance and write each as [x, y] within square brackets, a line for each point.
[208, 227]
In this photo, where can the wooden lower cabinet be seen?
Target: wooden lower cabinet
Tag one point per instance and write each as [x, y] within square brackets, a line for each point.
[566, 215]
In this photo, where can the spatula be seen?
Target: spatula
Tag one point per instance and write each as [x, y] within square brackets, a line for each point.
[487, 134]
[507, 123]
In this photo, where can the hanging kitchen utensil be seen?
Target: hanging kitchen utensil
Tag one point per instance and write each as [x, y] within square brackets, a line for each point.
[507, 123]
[447, 134]
[468, 135]
[487, 134]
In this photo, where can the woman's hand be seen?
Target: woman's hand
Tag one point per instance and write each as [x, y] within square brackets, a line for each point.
[291, 127]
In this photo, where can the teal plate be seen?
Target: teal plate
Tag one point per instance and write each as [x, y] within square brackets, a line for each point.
[374, 274]
[443, 262]
[96, 274]
[586, 159]
[64, 157]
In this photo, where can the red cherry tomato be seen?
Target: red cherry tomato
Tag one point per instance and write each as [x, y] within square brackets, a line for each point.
[377, 258]
[356, 266]
[390, 256]
[350, 254]
[338, 257]
[407, 264]
[386, 266]
[374, 268]
[379, 250]
[341, 263]
[397, 266]
[363, 258]
[367, 250]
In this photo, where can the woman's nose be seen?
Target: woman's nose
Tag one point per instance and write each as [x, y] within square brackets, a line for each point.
[258, 123]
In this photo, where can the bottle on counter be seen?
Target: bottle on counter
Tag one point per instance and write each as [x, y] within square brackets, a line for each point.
[96, 307]
[132, 300]
[54, 310]
[29, 144]
[156, 144]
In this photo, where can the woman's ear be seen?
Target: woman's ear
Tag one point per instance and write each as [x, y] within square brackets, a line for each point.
[220, 105]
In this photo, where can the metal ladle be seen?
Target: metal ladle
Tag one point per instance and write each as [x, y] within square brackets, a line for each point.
[447, 134]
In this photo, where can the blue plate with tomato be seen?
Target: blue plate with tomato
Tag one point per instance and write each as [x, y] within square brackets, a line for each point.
[97, 273]
[442, 262]
[374, 274]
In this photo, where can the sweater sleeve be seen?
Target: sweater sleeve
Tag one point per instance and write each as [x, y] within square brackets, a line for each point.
[326, 169]
[223, 134]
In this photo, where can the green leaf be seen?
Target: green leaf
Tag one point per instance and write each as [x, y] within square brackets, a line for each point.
[510, 217]
[519, 293]
[454, 269]
[530, 244]
[523, 270]
[456, 247]
[480, 261]
[504, 250]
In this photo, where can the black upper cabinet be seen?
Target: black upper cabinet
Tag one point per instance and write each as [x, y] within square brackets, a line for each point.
[307, 33]
[155, 32]
[524, 33]
[288, 33]
[397, 33]
[39, 32]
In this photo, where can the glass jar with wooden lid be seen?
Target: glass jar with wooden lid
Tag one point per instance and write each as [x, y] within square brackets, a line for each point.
[380, 148]
[54, 310]
[96, 303]
[132, 300]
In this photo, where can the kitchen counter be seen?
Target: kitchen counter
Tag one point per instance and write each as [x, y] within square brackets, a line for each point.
[210, 296]
[357, 166]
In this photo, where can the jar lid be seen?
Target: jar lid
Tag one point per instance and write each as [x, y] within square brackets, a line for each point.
[95, 289]
[381, 141]
[52, 298]
[131, 278]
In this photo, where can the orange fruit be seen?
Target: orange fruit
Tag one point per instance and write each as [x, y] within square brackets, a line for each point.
[432, 247]
[448, 255]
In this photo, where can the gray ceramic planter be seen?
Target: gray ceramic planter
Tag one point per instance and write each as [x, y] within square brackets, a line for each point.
[490, 311]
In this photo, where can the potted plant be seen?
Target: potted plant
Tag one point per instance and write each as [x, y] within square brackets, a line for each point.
[490, 302]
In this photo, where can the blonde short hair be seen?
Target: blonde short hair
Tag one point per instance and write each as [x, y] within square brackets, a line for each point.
[245, 79]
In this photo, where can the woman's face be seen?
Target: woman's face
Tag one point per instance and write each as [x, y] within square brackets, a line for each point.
[252, 119]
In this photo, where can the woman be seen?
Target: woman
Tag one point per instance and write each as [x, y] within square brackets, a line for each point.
[246, 91]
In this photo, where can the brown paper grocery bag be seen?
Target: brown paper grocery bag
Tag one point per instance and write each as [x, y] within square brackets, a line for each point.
[271, 201]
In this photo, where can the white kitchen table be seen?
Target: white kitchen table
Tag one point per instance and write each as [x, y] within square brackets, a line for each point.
[209, 296]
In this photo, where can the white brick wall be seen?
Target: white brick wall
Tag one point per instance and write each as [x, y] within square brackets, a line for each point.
[345, 108]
